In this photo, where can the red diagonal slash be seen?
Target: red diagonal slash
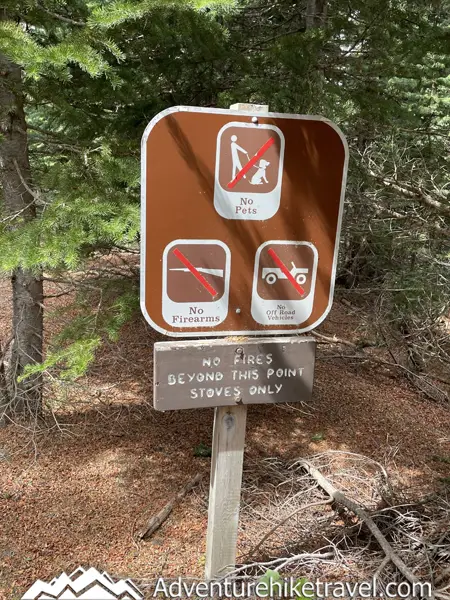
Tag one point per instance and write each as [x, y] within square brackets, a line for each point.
[277, 260]
[251, 162]
[194, 272]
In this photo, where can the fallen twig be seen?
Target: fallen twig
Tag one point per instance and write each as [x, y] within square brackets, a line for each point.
[333, 340]
[340, 498]
[157, 520]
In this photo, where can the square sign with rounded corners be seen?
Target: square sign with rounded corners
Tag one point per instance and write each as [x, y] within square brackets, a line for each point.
[241, 214]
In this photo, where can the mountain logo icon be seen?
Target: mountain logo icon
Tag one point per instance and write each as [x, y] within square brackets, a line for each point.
[87, 584]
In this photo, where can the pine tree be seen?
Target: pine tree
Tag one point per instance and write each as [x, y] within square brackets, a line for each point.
[96, 73]
[92, 81]
[19, 206]
[35, 42]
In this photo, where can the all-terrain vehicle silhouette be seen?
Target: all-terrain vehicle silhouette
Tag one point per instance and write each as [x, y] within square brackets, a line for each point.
[272, 274]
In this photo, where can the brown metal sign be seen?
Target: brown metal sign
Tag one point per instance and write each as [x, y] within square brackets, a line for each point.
[241, 216]
[199, 374]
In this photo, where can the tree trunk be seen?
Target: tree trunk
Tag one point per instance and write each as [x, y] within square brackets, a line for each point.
[316, 13]
[22, 397]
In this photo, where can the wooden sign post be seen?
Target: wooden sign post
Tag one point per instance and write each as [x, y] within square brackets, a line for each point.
[225, 489]
[227, 460]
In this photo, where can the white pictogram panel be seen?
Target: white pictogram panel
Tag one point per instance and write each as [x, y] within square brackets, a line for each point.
[249, 169]
[196, 282]
[284, 282]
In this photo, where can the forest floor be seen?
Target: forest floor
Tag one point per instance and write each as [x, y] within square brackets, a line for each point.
[77, 493]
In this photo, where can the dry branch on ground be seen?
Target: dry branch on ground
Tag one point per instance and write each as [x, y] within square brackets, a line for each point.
[395, 538]
[157, 520]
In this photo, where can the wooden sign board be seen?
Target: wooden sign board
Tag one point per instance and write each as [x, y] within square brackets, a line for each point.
[199, 374]
[241, 216]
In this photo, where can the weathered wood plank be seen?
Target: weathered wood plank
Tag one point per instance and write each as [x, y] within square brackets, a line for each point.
[202, 374]
[225, 489]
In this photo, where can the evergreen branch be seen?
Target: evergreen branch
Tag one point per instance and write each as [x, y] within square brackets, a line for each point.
[43, 131]
[260, 45]
[22, 49]
[61, 17]
[64, 146]
[115, 13]
[59, 138]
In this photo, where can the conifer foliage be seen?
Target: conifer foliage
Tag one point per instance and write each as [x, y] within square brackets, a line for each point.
[41, 45]
[91, 75]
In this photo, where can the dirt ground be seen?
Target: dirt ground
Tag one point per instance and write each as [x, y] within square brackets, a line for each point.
[76, 494]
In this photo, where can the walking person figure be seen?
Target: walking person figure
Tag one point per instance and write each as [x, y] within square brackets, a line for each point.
[236, 161]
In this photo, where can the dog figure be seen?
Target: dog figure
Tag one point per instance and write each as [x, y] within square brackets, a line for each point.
[260, 174]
